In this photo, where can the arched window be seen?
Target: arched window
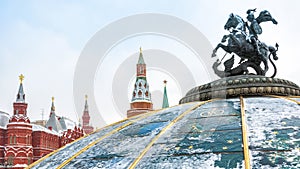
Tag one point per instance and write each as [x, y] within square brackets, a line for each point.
[147, 93]
[10, 160]
[140, 93]
[141, 70]
[15, 139]
[10, 139]
[29, 160]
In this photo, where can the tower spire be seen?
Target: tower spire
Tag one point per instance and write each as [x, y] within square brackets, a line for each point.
[141, 58]
[52, 106]
[21, 94]
[165, 100]
[86, 107]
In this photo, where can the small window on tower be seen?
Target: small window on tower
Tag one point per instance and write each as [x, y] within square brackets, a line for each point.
[147, 93]
[145, 85]
[15, 139]
[141, 70]
[140, 93]
[10, 160]
[134, 94]
[140, 85]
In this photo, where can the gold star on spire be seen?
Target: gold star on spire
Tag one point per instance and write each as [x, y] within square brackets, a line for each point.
[21, 78]
[52, 98]
[86, 97]
[140, 49]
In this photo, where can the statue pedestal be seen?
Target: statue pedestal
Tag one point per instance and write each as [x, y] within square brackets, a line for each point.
[245, 85]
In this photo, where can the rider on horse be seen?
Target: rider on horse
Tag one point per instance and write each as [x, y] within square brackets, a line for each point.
[254, 30]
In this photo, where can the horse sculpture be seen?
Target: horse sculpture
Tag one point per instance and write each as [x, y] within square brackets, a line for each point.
[239, 42]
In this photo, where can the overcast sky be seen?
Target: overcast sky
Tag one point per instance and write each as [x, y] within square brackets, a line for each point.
[43, 40]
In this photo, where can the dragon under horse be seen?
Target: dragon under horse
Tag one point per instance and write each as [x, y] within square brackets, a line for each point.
[243, 41]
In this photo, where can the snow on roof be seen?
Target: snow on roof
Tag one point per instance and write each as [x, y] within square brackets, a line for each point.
[36, 127]
[53, 122]
[21, 165]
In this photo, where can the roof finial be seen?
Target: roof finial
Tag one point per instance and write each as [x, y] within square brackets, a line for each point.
[52, 106]
[165, 82]
[21, 78]
[86, 97]
[140, 49]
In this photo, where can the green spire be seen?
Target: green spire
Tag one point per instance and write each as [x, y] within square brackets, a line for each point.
[141, 59]
[165, 101]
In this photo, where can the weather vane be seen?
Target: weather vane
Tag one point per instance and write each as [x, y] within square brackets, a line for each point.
[243, 41]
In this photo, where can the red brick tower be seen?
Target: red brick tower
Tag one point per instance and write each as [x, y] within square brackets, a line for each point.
[18, 149]
[141, 97]
[86, 119]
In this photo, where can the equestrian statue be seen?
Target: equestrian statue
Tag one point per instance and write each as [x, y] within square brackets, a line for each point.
[243, 41]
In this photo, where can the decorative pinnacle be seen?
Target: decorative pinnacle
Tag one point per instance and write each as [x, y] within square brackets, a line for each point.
[52, 107]
[86, 97]
[140, 49]
[165, 82]
[21, 78]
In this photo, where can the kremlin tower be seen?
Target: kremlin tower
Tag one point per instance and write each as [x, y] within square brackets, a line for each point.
[86, 119]
[141, 97]
[18, 149]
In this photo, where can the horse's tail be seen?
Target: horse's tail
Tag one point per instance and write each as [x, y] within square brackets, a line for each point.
[273, 52]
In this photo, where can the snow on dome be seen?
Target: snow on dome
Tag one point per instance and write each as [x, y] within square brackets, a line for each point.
[203, 134]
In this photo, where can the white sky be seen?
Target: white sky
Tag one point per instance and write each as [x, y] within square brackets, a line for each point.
[43, 40]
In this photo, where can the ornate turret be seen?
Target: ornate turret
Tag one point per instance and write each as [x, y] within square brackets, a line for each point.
[20, 107]
[165, 101]
[19, 132]
[53, 123]
[141, 97]
[86, 118]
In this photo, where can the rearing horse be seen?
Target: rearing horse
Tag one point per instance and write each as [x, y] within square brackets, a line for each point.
[239, 44]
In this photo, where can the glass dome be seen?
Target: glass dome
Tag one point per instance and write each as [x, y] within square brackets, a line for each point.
[260, 132]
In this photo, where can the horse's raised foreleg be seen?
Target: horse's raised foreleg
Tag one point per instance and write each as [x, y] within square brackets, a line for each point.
[224, 38]
[220, 45]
